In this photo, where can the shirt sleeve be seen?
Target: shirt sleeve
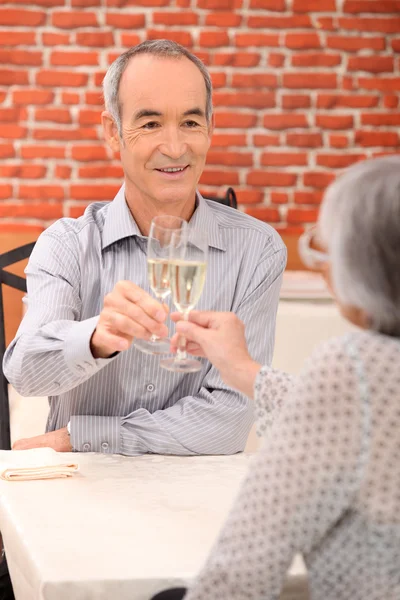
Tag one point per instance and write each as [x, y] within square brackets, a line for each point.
[51, 351]
[217, 419]
[298, 486]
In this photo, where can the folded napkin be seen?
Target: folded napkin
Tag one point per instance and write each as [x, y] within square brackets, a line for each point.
[37, 463]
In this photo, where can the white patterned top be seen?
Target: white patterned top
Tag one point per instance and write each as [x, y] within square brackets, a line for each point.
[326, 482]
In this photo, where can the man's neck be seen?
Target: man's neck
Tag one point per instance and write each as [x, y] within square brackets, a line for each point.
[144, 212]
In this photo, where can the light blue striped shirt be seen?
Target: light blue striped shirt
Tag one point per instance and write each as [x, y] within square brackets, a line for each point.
[128, 404]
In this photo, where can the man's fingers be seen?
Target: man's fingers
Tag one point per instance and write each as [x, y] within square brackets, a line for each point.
[137, 296]
[199, 317]
[192, 332]
[136, 325]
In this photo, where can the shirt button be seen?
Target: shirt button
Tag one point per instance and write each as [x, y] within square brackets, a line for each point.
[150, 387]
[86, 447]
[104, 446]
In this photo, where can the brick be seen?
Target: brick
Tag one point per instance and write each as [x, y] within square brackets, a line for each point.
[383, 25]
[271, 179]
[317, 179]
[181, 37]
[230, 159]
[372, 64]
[379, 119]
[219, 4]
[334, 121]
[136, 3]
[226, 140]
[55, 39]
[19, 227]
[21, 57]
[98, 78]
[302, 197]
[376, 138]
[63, 58]
[338, 141]
[274, 5]
[338, 161]
[223, 19]
[264, 213]
[275, 59]
[213, 39]
[11, 77]
[218, 79]
[130, 39]
[94, 98]
[62, 172]
[12, 132]
[52, 78]
[265, 40]
[249, 196]
[264, 140]
[3, 96]
[93, 192]
[80, 133]
[17, 38]
[223, 177]
[279, 198]
[284, 159]
[7, 151]
[86, 3]
[396, 45]
[326, 23]
[18, 17]
[40, 192]
[10, 115]
[88, 153]
[291, 101]
[245, 99]
[205, 57]
[285, 121]
[72, 19]
[76, 211]
[297, 215]
[302, 41]
[305, 81]
[254, 80]
[54, 115]
[366, 6]
[101, 39]
[390, 101]
[29, 211]
[47, 3]
[90, 117]
[235, 120]
[236, 59]
[42, 151]
[354, 44]
[305, 6]
[101, 172]
[346, 101]
[304, 140]
[23, 171]
[384, 84]
[287, 22]
[6, 192]
[125, 21]
[316, 59]
[70, 98]
[176, 18]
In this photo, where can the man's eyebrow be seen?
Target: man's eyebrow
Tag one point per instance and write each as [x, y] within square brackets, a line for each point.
[145, 112]
[194, 111]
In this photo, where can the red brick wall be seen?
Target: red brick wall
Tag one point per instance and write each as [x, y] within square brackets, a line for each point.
[303, 88]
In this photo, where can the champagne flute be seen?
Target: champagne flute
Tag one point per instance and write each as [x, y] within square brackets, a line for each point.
[187, 266]
[158, 243]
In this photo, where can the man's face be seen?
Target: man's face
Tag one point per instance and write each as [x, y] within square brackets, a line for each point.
[163, 104]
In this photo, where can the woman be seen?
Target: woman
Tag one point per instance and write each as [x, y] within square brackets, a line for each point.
[327, 481]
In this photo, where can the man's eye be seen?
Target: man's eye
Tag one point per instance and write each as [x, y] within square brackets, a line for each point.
[150, 125]
[191, 124]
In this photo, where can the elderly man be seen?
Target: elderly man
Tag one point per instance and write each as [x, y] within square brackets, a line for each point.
[88, 294]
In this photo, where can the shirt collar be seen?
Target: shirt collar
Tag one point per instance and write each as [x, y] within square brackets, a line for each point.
[119, 222]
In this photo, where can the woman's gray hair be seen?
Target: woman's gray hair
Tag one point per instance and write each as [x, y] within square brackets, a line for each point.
[360, 224]
[162, 48]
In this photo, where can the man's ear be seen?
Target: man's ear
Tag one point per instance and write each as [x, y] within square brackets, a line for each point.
[110, 131]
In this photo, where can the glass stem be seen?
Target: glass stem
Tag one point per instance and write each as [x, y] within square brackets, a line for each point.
[181, 353]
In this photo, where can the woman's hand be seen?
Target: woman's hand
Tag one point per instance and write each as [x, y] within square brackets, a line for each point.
[220, 337]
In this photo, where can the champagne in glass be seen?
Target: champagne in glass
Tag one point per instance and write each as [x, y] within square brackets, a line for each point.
[160, 235]
[187, 267]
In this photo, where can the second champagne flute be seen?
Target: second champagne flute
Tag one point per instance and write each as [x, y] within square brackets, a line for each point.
[161, 230]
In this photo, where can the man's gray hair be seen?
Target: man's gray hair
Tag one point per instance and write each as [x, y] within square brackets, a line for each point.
[162, 48]
[360, 224]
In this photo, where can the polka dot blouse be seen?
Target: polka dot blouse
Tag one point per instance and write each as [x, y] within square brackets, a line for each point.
[326, 482]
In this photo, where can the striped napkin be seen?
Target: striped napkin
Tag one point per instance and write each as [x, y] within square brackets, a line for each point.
[37, 463]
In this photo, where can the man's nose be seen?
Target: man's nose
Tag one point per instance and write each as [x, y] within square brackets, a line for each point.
[173, 144]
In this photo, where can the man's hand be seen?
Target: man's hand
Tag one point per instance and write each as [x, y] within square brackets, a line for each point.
[128, 312]
[58, 440]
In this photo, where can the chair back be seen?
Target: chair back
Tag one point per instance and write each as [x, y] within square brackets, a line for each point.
[19, 283]
[229, 199]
